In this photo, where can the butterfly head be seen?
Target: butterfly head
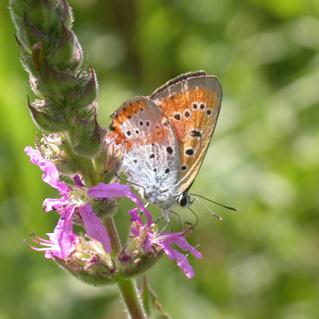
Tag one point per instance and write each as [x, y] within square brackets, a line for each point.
[184, 200]
[168, 198]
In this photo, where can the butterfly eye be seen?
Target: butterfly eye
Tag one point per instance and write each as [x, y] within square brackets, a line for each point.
[184, 200]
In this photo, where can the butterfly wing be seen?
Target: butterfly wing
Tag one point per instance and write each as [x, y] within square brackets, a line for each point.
[192, 103]
[151, 153]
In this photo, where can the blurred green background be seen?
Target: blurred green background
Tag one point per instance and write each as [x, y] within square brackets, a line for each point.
[264, 158]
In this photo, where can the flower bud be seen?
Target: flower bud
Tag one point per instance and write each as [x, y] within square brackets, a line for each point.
[90, 263]
[86, 91]
[52, 55]
[67, 52]
[27, 32]
[104, 208]
[135, 261]
[55, 84]
[64, 12]
[45, 118]
[84, 132]
[53, 147]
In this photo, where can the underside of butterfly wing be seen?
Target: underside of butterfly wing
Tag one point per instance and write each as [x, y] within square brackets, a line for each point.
[192, 103]
[151, 154]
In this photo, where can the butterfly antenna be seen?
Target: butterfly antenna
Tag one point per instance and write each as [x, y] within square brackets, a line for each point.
[234, 209]
[202, 204]
[127, 181]
[195, 215]
[178, 217]
[165, 226]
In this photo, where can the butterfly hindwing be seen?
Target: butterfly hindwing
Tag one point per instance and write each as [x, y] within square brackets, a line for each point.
[151, 154]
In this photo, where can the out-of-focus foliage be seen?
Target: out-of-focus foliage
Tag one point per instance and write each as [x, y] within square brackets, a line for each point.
[260, 263]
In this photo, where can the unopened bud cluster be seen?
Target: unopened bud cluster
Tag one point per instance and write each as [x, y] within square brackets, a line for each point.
[90, 263]
[65, 87]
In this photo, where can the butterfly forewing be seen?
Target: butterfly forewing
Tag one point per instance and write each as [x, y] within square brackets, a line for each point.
[151, 154]
[192, 103]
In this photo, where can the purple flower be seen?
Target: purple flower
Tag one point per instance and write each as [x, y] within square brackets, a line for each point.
[150, 238]
[61, 242]
[73, 200]
[63, 239]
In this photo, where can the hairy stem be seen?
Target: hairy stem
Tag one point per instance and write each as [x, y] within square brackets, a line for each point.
[131, 299]
[127, 287]
[114, 235]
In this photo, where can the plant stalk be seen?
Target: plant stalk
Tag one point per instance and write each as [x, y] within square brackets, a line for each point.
[131, 299]
[127, 287]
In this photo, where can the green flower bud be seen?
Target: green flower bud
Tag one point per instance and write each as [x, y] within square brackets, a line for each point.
[52, 55]
[85, 93]
[55, 84]
[84, 132]
[18, 9]
[45, 119]
[67, 53]
[104, 208]
[64, 12]
[133, 261]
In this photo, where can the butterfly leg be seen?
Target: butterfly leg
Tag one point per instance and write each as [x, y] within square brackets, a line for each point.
[179, 218]
[166, 215]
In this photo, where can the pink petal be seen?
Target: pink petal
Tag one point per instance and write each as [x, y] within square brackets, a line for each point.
[179, 240]
[116, 190]
[62, 241]
[167, 240]
[181, 260]
[135, 217]
[63, 234]
[94, 227]
[51, 174]
[77, 180]
[50, 204]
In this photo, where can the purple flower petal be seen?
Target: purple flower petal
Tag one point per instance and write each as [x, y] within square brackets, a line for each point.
[94, 227]
[167, 240]
[63, 233]
[116, 190]
[62, 241]
[135, 217]
[140, 229]
[58, 204]
[148, 238]
[136, 222]
[51, 174]
[77, 180]
[181, 260]
[179, 240]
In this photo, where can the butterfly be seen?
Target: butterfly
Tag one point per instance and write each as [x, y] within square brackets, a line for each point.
[165, 136]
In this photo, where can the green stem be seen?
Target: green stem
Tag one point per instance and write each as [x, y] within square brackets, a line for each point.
[85, 165]
[146, 296]
[127, 287]
[131, 299]
[114, 235]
